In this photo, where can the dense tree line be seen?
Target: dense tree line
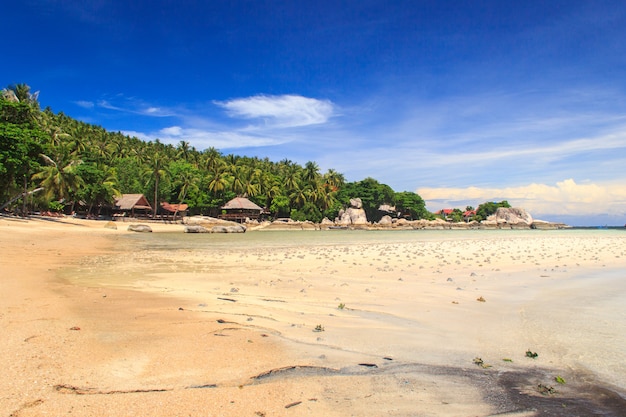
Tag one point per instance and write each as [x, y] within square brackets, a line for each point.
[80, 166]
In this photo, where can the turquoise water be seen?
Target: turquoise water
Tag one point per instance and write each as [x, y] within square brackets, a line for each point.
[173, 241]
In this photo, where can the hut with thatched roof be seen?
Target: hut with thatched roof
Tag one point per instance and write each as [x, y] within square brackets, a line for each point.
[132, 205]
[239, 209]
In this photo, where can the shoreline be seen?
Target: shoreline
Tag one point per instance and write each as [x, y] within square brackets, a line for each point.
[137, 348]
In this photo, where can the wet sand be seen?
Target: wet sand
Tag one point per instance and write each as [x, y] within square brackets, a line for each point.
[95, 328]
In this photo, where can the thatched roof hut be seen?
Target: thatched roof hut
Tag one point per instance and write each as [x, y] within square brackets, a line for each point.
[239, 209]
[133, 202]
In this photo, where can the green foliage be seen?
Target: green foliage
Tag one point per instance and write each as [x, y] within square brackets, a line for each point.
[80, 162]
[411, 205]
[56, 206]
[308, 212]
[20, 145]
[372, 193]
[487, 209]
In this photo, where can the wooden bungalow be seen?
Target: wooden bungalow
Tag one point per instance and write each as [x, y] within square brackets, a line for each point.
[132, 205]
[239, 209]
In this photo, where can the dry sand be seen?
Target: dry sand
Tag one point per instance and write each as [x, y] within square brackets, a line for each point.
[229, 331]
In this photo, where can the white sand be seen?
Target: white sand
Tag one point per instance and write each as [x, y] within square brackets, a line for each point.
[148, 321]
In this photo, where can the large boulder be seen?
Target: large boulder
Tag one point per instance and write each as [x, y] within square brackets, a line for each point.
[141, 228]
[386, 221]
[196, 229]
[511, 217]
[354, 215]
[237, 228]
[356, 203]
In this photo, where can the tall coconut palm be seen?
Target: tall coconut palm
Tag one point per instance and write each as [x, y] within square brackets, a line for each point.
[156, 170]
[60, 180]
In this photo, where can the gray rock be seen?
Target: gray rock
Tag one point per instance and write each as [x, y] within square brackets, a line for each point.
[386, 221]
[356, 203]
[196, 229]
[141, 228]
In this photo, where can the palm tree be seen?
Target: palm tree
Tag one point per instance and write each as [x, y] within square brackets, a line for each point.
[59, 180]
[186, 181]
[218, 182]
[156, 169]
[311, 173]
[334, 179]
[20, 93]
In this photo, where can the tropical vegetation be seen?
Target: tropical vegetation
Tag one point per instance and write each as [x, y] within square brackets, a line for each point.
[50, 161]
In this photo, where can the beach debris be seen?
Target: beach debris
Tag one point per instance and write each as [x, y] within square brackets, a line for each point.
[481, 299]
[227, 299]
[507, 360]
[531, 354]
[75, 328]
[455, 302]
[546, 389]
[559, 379]
[318, 328]
[234, 289]
[388, 358]
[369, 365]
[293, 404]
[259, 413]
[180, 309]
[479, 362]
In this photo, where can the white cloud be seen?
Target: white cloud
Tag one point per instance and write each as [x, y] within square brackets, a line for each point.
[172, 131]
[85, 104]
[564, 198]
[281, 111]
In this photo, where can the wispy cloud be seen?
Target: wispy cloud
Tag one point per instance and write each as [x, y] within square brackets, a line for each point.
[127, 105]
[85, 104]
[280, 111]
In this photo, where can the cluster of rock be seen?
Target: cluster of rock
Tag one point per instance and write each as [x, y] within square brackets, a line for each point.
[204, 224]
[503, 218]
[354, 217]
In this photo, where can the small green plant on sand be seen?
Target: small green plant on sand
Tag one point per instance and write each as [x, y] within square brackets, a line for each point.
[559, 379]
[507, 359]
[481, 363]
[319, 328]
[341, 306]
[531, 354]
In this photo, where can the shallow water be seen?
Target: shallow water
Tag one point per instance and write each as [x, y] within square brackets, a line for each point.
[398, 286]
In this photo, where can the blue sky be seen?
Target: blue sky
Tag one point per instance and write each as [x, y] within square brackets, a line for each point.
[460, 101]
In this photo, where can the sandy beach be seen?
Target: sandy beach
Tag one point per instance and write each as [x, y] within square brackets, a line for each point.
[108, 322]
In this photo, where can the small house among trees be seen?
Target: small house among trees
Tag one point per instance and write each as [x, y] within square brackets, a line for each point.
[132, 205]
[239, 209]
